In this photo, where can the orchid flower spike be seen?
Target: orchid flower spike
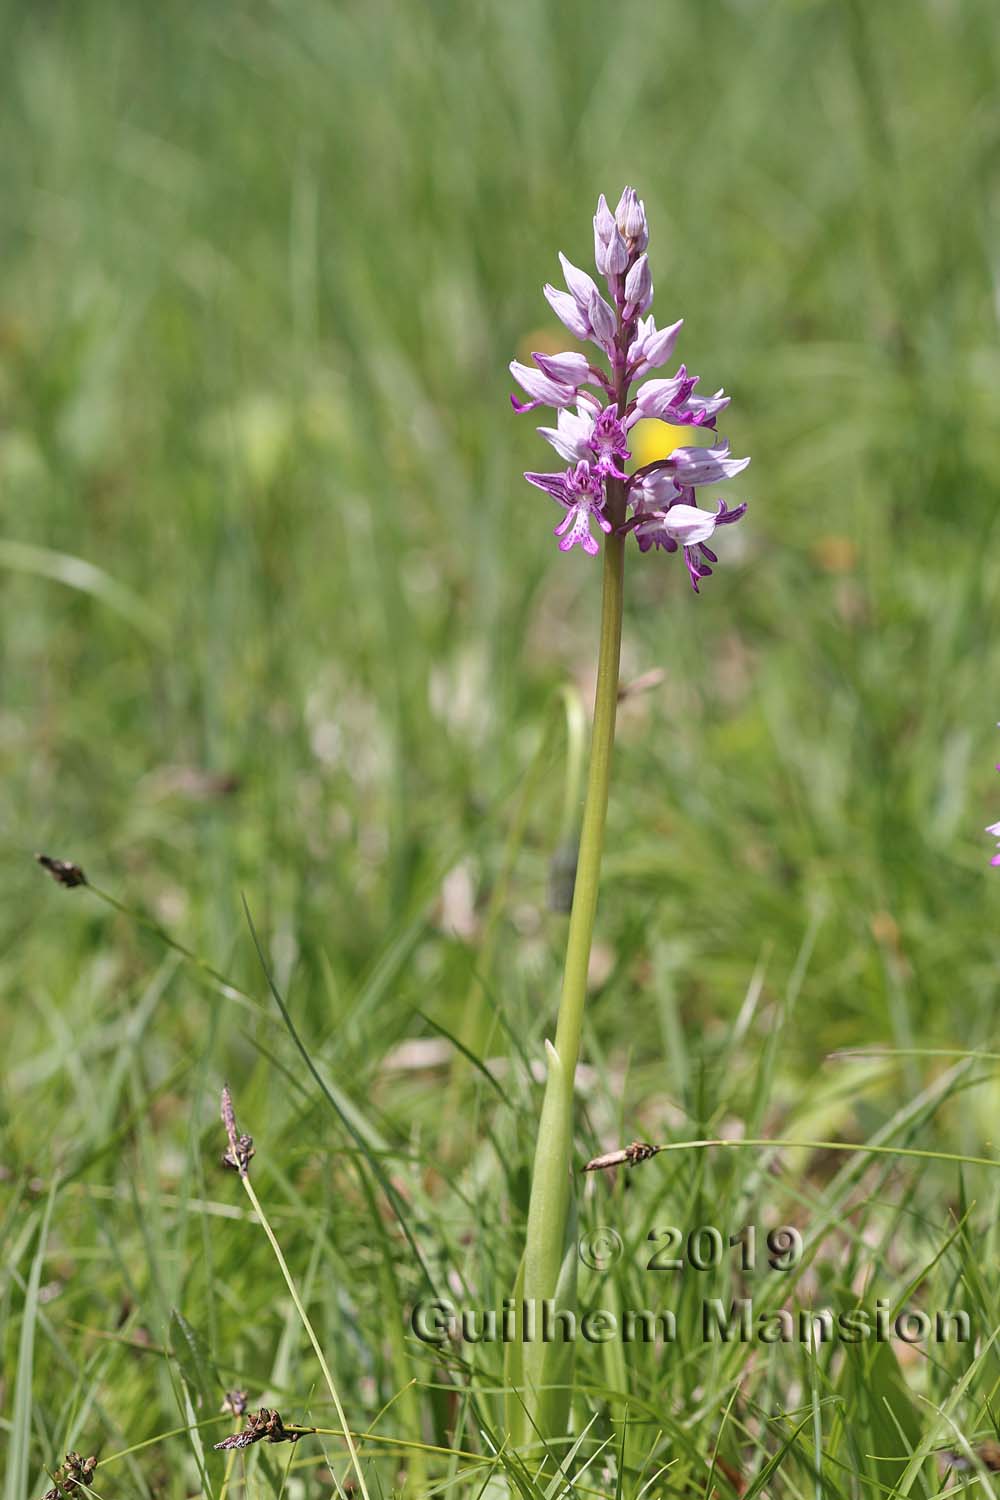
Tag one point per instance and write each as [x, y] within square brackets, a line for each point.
[656, 503]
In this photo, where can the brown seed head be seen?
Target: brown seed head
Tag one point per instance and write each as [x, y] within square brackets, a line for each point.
[264, 1426]
[628, 1156]
[241, 1147]
[72, 1473]
[63, 871]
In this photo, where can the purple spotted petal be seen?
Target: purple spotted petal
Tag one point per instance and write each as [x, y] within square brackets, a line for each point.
[576, 528]
[608, 443]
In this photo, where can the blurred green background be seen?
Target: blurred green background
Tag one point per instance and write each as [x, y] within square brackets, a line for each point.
[263, 268]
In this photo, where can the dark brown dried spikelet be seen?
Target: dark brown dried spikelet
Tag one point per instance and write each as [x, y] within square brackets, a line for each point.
[71, 1474]
[235, 1403]
[264, 1426]
[63, 871]
[628, 1156]
[241, 1147]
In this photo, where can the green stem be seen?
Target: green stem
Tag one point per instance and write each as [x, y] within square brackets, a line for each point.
[545, 1244]
[588, 869]
[307, 1325]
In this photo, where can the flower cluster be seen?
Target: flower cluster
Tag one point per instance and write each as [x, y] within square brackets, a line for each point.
[658, 501]
[75, 1473]
[264, 1426]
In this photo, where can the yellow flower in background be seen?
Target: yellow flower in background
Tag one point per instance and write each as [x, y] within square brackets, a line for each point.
[649, 440]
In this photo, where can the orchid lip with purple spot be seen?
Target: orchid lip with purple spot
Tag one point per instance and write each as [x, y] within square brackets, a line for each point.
[580, 491]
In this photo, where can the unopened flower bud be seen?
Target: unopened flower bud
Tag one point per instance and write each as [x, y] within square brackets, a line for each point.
[631, 217]
[638, 287]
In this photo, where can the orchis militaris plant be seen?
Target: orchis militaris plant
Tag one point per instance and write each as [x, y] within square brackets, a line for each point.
[656, 503]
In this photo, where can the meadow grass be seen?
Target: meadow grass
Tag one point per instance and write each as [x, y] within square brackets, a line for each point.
[282, 623]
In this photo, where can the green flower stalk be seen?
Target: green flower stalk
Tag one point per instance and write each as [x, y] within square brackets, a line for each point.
[657, 504]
